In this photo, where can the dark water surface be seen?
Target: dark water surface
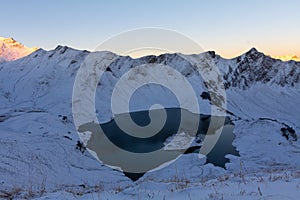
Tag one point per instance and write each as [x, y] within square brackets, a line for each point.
[171, 126]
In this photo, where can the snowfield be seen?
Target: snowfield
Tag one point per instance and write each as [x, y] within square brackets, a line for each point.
[40, 158]
[271, 185]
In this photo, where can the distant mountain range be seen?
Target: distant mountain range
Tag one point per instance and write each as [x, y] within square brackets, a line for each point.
[13, 50]
[288, 57]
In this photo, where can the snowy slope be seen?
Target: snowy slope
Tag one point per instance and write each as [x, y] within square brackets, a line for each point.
[38, 135]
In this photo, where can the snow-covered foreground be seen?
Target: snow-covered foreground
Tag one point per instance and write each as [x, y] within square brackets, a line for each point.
[45, 164]
[39, 158]
[281, 185]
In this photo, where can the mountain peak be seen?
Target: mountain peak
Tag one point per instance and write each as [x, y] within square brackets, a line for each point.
[8, 40]
[10, 49]
[253, 50]
[252, 54]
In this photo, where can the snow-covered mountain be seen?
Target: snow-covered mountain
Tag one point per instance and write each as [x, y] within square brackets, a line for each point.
[38, 136]
[254, 67]
[11, 49]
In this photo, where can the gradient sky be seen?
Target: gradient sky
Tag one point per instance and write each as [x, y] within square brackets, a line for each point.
[230, 27]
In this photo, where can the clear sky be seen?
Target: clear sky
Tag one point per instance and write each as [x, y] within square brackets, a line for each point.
[229, 27]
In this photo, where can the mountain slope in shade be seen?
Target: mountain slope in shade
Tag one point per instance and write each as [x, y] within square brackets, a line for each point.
[11, 49]
[254, 67]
